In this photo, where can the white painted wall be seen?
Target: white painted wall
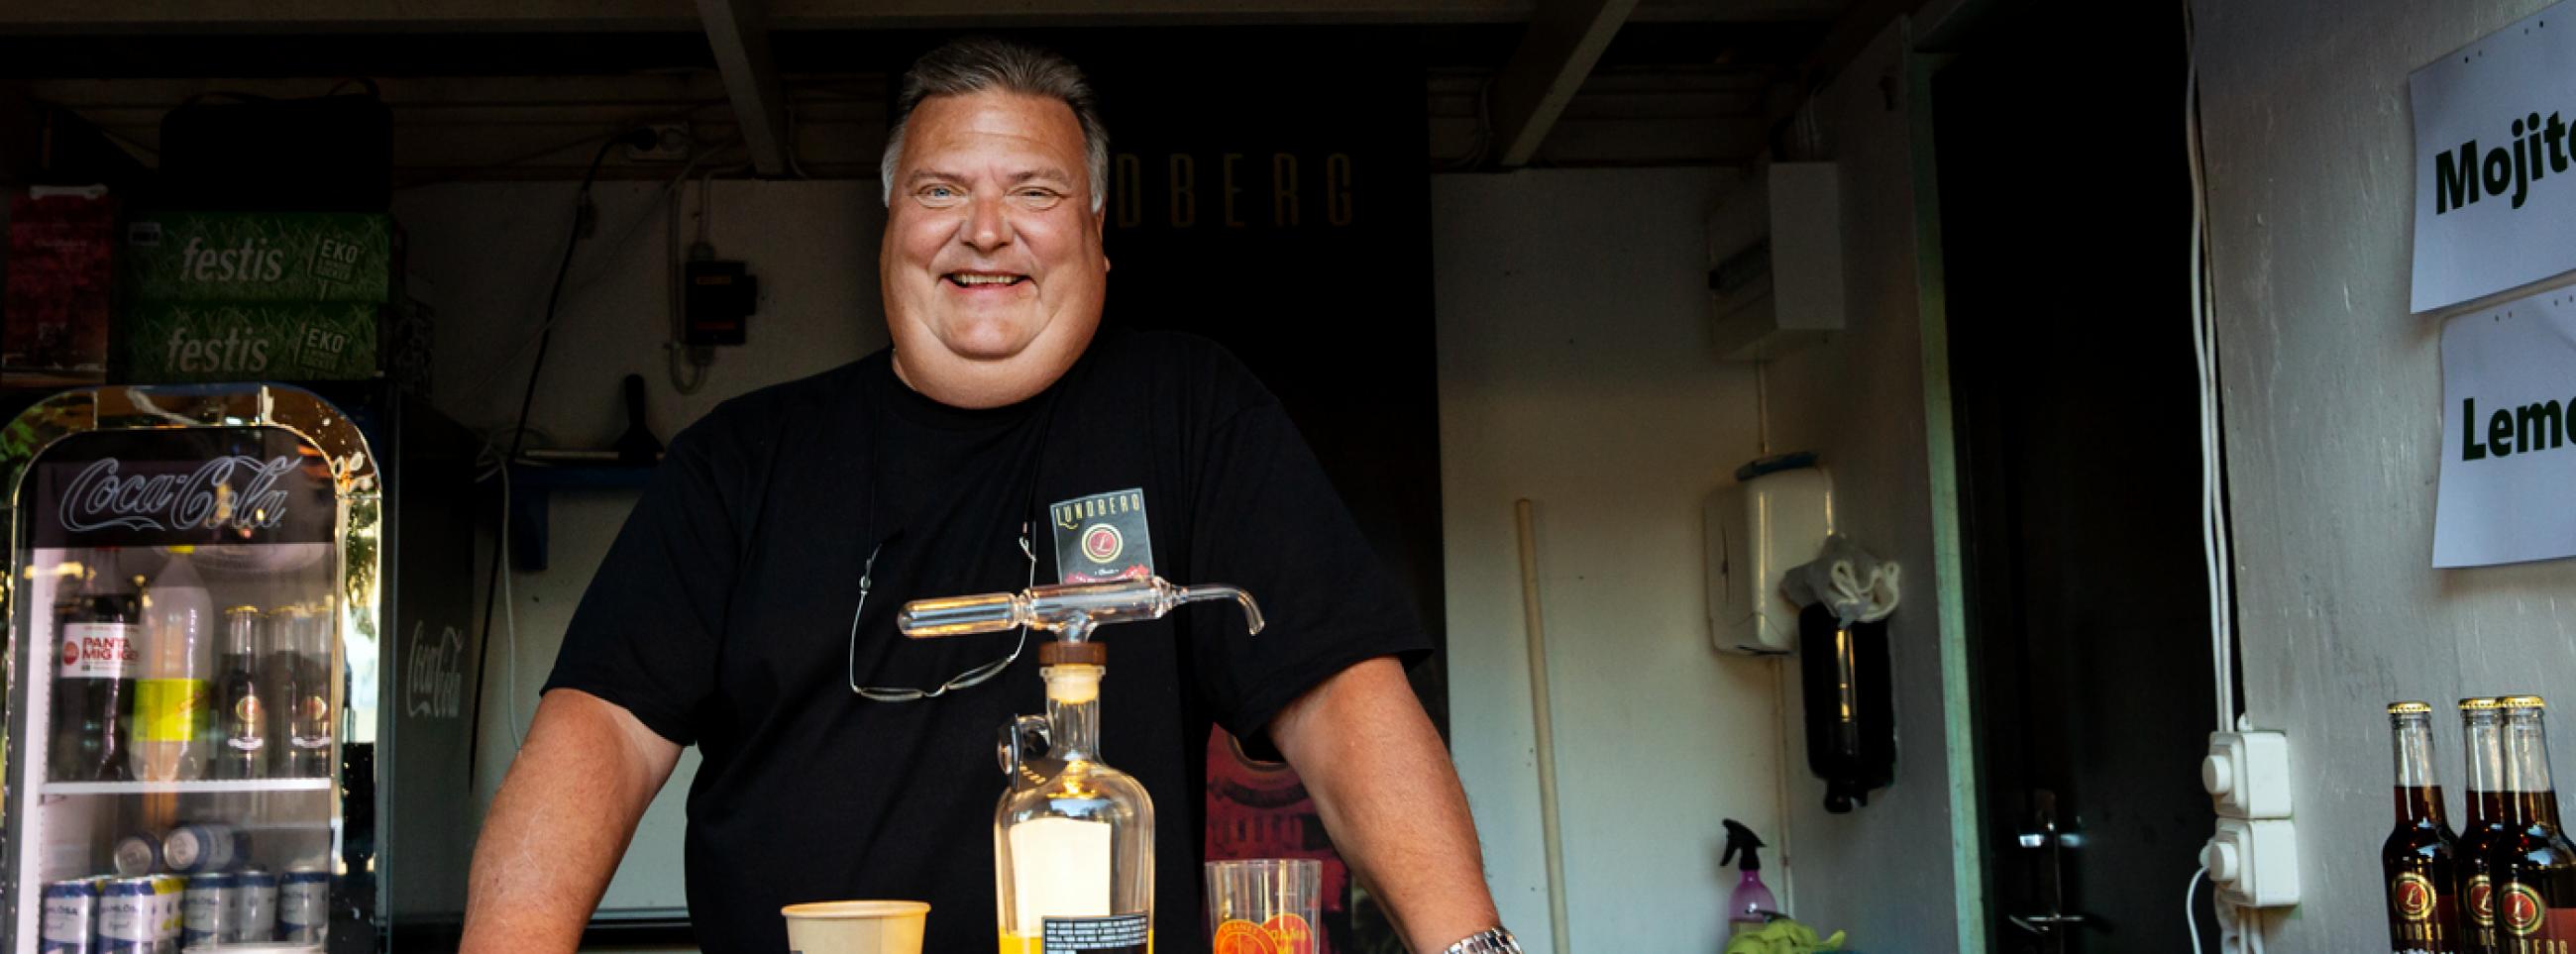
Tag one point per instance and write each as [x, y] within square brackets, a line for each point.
[2333, 428]
[492, 249]
[1897, 873]
[1576, 371]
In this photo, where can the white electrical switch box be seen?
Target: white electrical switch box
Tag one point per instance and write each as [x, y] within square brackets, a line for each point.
[2254, 863]
[2247, 774]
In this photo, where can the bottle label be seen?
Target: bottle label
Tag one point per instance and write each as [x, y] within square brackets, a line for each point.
[2421, 925]
[168, 710]
[70, 921]
[98, 651]
[1117, 934]
[2525, 924]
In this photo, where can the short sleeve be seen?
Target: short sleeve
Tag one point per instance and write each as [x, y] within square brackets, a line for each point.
[1266, 518]
[648, 628]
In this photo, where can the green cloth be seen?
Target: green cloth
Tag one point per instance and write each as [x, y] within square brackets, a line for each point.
[1783, 937]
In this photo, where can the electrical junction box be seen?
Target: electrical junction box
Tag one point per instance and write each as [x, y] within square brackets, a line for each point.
[2247, 774]
[719, 299]
[1757, 529]
[2254, 864]
[1780, 288]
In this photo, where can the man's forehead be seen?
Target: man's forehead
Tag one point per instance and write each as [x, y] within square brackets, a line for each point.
[986, 119]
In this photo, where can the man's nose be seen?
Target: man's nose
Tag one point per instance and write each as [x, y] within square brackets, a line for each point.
[988, 224]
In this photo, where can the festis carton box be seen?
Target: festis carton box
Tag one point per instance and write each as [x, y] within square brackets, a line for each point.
[259, 257]
[251, 341]
[184, 342]
[60, 287]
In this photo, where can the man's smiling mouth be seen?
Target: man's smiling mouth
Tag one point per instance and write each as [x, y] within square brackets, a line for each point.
[983, 279]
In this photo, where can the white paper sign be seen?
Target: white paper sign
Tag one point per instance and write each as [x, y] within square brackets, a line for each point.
[2508, 489]
[2495, 161]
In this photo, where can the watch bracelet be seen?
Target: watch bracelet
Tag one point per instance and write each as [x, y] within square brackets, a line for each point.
[1492, 941]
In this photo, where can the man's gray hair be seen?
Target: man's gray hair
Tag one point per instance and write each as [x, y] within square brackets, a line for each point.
[983, 64]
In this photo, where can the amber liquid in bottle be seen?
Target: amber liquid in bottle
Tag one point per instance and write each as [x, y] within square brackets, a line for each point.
[2418, 859]
[2532, 866]
[2484, 826]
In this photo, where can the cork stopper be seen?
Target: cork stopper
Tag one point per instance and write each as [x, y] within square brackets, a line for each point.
[1052, 653]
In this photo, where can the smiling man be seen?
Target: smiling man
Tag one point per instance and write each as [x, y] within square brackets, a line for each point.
[748, 606]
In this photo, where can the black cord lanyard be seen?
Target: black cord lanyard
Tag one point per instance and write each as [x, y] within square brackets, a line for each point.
[867, 573]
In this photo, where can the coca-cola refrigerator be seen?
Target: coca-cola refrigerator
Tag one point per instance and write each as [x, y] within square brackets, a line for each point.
[238, 671]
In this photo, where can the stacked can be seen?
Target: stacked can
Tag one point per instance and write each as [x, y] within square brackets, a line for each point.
[254, 907]
[71, 918]
[202, 847]
[128, 917]
[212, 901]
[304, 906]
[169, 895]
[137, 854]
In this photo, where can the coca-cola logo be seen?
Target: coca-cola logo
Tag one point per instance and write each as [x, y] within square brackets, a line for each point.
[236, 492]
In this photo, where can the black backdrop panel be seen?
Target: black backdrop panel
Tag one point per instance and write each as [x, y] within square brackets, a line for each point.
[1271, 190]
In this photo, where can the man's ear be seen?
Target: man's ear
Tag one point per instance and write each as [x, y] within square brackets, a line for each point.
[1100, 227]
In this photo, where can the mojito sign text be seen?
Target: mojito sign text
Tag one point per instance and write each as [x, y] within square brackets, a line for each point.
[2495, 162]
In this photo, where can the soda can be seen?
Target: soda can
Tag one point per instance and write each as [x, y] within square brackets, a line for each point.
[304, 906]
[129, 917]
[71, 918]
[208, 910]
[254, 908]
[137, 854]
[170, 894]
[200, 847]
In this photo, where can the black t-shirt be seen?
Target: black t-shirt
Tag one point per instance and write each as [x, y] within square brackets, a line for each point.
[722, 618]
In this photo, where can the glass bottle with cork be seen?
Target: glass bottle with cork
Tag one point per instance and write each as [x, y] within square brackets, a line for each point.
[2483, 741]
[2418, 859]
[1073, 838]
[2533, 867]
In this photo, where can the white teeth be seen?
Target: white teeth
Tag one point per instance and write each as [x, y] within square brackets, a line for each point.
[964, 279]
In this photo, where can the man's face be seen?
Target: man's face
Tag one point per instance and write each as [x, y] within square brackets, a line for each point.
[992, 263]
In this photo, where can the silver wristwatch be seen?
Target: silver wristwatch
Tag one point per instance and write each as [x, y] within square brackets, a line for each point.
[1496, 941]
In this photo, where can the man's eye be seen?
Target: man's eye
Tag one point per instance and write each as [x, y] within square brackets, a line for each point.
[938, 192]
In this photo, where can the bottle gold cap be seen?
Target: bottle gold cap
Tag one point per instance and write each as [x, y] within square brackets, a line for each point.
[2409, 708]
[251, 610]
[2481, 704]
[2522, 702]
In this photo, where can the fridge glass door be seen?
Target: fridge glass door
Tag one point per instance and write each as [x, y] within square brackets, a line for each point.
[177, 680]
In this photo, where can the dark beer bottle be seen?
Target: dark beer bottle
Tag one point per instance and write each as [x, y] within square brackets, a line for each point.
[2533, 867]
[93, 686]
[2418, 858]
[241, 714]
[2485, 825]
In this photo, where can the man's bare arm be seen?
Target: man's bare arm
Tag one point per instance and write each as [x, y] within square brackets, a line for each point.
[1391, 800]
[560, 823]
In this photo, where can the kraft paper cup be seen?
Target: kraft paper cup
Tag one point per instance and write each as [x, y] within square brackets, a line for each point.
[855, 927]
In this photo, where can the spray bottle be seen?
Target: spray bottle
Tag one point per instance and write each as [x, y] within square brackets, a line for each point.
[1751, 903]
[1073, 838]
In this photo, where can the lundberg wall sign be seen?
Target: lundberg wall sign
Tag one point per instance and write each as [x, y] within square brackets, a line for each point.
[2495, 161]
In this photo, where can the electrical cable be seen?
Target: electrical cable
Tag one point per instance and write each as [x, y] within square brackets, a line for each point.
[509, 629]
[2190, 918]
[493, 369]
[2214, 530]
[582, 213]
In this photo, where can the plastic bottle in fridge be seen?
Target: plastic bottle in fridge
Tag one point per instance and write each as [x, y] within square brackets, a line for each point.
[173, 698]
